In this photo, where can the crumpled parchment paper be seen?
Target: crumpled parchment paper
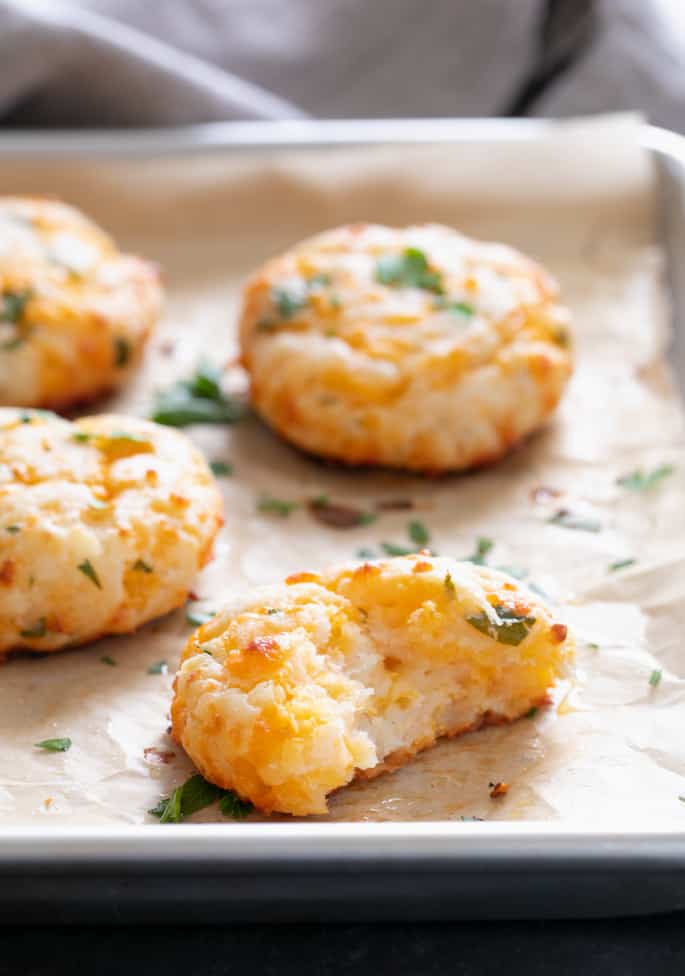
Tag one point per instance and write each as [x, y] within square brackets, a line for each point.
[611, 751]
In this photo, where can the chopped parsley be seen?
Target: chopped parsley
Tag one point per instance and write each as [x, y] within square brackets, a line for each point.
[140, 566]
[418, 532]
[39, 629]
[409, 270]
[339, 516]
[196, 794]
[197, 618]
[532, 712]
[289, 301]
[509, 627]
[620, 564]
[443, 303]
[292, 298]
[82, 437]
[567, 520]
[13, 305]
[86, 567]
[276, 506]
[198, 400]
[12, 529]
[390, 549]
[232, 806]
[320, 280]
[122, 352]
[221, 468]
[365, 553]
[640, 480]
[450, 588]
[483, 547]
[159, 667]
[54, 745]
[106, 659]
[655, 677]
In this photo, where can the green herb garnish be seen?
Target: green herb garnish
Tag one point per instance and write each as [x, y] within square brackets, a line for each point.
[450, 588]
[620, 564]
[39, 629]
[13, 304]
[82, 437]
[409, 270]
[319, 280]
[159, 667]
[122, 352]
[655, 677]
[418, 532]
[54, 745]
[567, 520]
[197, 618]
[532, 712]
[140, 566]
[508, 627]
[221, 468]
[390, 549]
[483, 547]
[106, 659]
[198, 400]
[231, 805]
[365, 553]
[338, 516]
[443, 303]
[276, 506]
[12, 529]
[86, 567]
[289, 301]
[645, 480]
[196, 794]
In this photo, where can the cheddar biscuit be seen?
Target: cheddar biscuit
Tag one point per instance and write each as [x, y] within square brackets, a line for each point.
[304, 686]
[104, 524]
[74, 312]
[414, 348]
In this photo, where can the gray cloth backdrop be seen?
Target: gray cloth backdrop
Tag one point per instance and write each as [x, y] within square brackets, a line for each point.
[169, 62]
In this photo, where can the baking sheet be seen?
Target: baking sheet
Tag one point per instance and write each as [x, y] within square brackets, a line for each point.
[610, 752]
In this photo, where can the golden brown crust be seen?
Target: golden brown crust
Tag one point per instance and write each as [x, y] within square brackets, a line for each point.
[369, 372]
[75, 313]
[344, 674]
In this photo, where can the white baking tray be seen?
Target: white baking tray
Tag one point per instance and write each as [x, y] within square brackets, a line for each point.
[345, 871]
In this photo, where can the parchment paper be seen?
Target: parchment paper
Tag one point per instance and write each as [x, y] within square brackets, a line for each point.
[611, 751]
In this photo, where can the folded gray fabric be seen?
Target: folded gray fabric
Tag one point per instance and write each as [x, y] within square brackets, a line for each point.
[150, 62]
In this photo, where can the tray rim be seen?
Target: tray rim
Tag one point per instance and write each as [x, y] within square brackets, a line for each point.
[217, 137]
[436, 844]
